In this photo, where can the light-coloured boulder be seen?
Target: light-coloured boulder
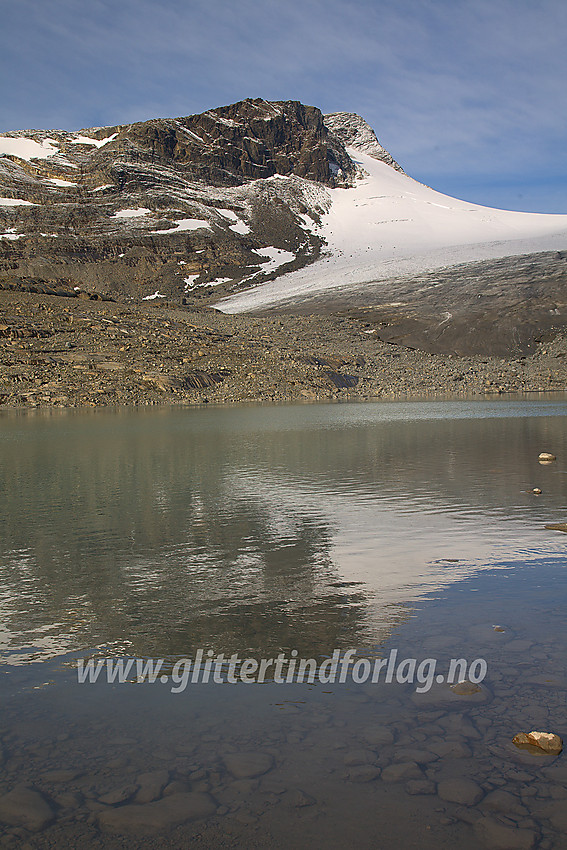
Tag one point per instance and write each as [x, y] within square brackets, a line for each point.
[547, 742]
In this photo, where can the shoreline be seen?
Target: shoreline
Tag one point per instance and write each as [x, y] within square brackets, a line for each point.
[61, 352]
[528, 396]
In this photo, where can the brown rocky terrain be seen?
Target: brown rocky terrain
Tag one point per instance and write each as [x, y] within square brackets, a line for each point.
[168, 204]
[72, 351]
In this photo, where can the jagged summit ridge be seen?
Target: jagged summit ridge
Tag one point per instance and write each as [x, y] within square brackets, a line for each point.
[174, 205]
[249, 140]
[355, 132]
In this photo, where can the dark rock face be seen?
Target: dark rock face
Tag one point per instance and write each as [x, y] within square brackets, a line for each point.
[169, 205]
[247, 140]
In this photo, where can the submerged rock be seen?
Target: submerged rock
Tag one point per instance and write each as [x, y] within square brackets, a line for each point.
[298, 799]
[151, 785]
[401, 772]
[358, 757]
[248, 765]
[466, 688]
[378, 735]
[156, 817]
[420, 786]
[363, 773]
[547, 742]
[505, 802]
[25, 807]
[118, 795]
[463, 791]
[495, 834]
[441, 694]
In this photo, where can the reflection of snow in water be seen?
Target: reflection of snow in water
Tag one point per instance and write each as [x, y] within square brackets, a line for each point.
[304, 515]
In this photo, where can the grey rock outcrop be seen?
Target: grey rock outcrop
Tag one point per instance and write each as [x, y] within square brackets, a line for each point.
[186, 207]
[353, 131]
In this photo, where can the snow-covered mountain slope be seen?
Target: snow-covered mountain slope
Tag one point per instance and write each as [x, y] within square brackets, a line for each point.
[353, 131]
[389, 225]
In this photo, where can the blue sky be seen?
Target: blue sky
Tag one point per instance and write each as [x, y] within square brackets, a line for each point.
[469, 96]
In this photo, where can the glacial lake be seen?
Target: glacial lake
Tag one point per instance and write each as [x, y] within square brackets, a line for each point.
[398, 531]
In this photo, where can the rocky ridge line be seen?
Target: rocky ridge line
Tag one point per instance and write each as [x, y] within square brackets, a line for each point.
[194, 207]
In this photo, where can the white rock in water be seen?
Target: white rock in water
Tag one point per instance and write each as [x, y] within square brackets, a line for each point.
[546, 457]
[557, 526]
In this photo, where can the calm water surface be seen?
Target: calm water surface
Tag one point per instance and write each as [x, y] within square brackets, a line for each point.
[263, 530]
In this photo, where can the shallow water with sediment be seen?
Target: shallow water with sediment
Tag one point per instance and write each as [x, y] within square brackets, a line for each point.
[402, 531]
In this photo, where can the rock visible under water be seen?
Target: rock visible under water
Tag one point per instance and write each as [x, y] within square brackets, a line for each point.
[26, 807]
[363, 773]
[466, 688]
[248, 765]
[459, 790]
[493, 833]
[155, 817]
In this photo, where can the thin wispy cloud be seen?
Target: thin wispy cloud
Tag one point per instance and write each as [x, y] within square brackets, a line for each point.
[464, 90]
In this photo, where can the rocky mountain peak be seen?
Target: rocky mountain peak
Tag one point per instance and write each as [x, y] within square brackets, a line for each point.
[248, 140]
[353, 131]
[190, 207]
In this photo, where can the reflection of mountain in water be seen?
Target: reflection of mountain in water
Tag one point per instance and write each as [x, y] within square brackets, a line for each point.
[254, 530]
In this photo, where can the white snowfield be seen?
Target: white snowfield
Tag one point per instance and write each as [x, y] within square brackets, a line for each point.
[390, 225]
[132, 213]
[97, 143]
[15, 202]
[185, 224]
[27, 149]
[58, 182]
[237, 226]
